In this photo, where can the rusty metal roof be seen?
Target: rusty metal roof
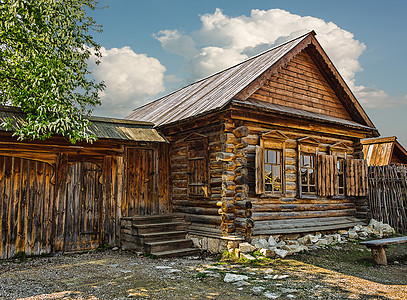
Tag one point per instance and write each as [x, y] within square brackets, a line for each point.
[213, 92]
[102, 128]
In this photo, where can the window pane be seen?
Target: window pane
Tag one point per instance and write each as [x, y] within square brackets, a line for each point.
[277, 173]
[304, 189]
[312, 188]
[268, 177]
[269, 187]
[306, 161]
[272, 154]
[278, 157]
[341, 181]
[311, 176]
[304, 177]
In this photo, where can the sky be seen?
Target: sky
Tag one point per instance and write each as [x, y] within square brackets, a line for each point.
[151, 48]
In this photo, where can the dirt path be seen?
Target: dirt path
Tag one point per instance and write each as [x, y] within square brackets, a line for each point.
[125, 275]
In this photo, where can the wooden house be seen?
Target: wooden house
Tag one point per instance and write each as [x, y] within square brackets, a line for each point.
[384, 151]
[55, 196]
[268, 146]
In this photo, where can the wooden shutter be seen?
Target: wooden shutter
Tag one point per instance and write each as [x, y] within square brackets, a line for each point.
[327, 173]
[260, 185]
[356, 177]
[198, 168]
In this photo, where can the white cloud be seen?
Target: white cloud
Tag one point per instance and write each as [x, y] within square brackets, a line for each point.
[223, 41]
[371, 97]
[130, 80]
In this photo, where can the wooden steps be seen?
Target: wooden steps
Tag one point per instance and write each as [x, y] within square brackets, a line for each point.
[158, 235]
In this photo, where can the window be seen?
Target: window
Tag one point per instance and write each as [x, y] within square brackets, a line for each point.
[270, 173]
[340, 179]
[273, 171]
[308, 182]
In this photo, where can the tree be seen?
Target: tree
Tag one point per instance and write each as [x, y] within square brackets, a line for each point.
[44, 48]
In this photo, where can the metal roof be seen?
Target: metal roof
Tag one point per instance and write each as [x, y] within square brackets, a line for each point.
[299, 113]
[102, 128]
[213, 92]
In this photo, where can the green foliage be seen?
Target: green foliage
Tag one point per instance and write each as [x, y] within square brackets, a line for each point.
[44, 48]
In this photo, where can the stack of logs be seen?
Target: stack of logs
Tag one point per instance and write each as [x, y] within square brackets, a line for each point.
[235, 209]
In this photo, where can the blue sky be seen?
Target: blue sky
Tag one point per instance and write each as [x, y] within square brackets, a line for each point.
[153, 47]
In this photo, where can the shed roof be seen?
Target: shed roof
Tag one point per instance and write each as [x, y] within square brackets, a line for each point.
[237, 82]
[102, 128]
[384, 151]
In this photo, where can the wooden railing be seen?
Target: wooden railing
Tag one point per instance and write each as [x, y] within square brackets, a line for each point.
[387, 195]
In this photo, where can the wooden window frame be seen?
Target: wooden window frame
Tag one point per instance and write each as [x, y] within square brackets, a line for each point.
[340, 151]
[272, 140]
[280, 164]
[307, 146]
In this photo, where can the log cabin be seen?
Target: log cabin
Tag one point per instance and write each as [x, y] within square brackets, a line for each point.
[55, 196]
[269, 146]
[384, 151]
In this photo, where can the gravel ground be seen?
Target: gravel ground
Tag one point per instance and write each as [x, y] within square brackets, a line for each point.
[320, 274]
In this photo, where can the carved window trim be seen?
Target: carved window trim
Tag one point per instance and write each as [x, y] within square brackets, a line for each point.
[270, 141]
[307, 146]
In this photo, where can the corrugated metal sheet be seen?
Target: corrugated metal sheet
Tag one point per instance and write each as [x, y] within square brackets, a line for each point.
[298, 113]
[213, 92]
[103, 128]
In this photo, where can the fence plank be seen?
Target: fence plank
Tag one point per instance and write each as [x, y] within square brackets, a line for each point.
[387, 195]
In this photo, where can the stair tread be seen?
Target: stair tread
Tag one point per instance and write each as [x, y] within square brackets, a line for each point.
[163, 233]
[159, 224]
[172, 215]
[177, 251]
[167, 242]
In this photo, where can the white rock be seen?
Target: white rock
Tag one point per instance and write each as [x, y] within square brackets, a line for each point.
[305, 240]
[268, 252]
[288, 290]
[387, 229]
[271, 295]
[352, 234]
[246, 248]
[115, 248]
[314, 238]
[282, 253]
[260, 243]
[241, 283]
[230, 277]
[213, 245]
[257, 290]
[322, 242]
[358, 228]
[272, 242]
[247, 256]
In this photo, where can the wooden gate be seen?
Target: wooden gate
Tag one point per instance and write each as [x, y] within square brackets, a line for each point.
[80, 209]
[141, 196]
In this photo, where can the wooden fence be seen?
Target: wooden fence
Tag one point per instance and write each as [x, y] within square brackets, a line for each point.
[388, 195]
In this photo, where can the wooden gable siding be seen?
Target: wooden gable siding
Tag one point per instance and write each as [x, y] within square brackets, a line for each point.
[301, 85]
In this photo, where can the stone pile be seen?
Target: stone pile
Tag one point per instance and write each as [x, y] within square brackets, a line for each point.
[281, 246]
